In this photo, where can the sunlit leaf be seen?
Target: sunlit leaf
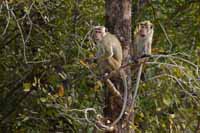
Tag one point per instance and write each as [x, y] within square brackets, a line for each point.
[83, 63]
[27, 87]
[167, 100]
[61, 91]
[42, 99]
[98, 86]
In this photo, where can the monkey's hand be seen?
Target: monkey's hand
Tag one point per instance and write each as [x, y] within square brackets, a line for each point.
[134, 59]
[143, 58]
[145, 55]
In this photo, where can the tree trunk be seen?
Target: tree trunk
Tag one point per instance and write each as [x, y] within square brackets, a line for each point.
[118, 22]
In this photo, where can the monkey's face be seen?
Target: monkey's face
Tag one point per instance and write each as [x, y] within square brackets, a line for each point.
[98, 35]
[145, 29]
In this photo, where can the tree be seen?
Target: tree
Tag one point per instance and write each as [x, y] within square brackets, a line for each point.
[118, 21]
[44, 87]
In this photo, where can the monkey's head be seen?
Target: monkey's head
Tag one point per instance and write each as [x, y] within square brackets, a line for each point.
[145, 29]
[99, 33]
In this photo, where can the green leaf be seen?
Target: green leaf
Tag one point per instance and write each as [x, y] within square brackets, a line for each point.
[27, 87]
[42, 99]
[26, 10]
[167, 100]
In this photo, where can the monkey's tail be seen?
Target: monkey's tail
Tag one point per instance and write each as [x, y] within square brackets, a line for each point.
[123, 75]
[137, 86]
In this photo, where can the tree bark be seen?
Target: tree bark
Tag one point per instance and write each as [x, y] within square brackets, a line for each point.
[118, 22]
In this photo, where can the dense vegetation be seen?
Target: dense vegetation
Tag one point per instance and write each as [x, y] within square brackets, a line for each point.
[46, 86]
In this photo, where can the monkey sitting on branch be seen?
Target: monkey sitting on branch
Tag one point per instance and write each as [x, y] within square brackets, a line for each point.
[108, 55]
[143, 36]
[109, 58]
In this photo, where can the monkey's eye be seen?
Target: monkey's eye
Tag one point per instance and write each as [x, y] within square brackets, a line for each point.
[151, 27]
[98, 31]
[142, 26]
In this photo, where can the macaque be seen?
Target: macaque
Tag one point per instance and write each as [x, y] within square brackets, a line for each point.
[109, 57]
[143, 38]
[109, 54]
[109, 50]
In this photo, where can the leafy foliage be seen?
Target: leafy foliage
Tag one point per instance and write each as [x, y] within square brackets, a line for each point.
[46, 85]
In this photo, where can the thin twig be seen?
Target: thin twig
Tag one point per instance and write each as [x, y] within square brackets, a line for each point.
[162, 28]
[30, 8]
[8, 19]
[137, 85]
[1, 6]
[178, 58]
[81, 45]
[22, 36]
[86, 111]
[24, 43]
[30, 29]
[165, 64]
[180, 83]
[30, 21]
[166, 36]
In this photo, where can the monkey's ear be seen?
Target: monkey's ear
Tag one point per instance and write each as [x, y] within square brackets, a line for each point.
[138, 25]
[106, 29]
[151, 26]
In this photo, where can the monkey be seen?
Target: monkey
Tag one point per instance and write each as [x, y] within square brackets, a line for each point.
[143, 37]
[109, 57]
[109, 49]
